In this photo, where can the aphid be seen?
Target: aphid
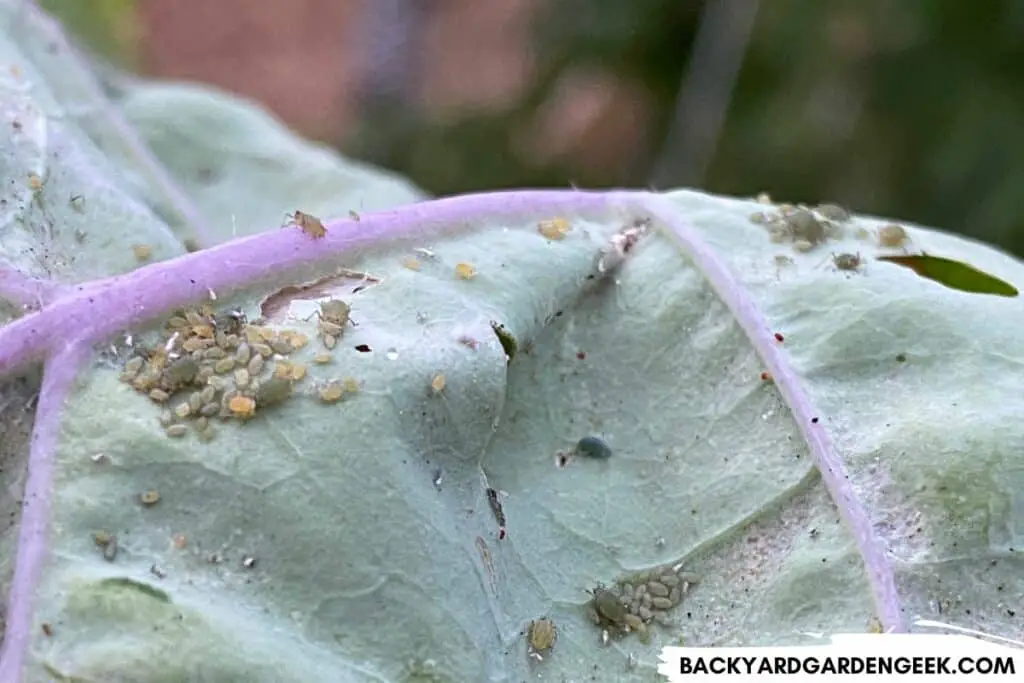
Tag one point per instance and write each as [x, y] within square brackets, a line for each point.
[758, 218]
[437, 384]
[182, 410]
[606, 610]
[255, 366]
[554, 229]
[133, 365]
[150, 497]
[802, 246]
[281, 346]
[411, 263]
[833, 212]
[230, 322]
[157, 571]
[593, 447]
[657, 589]
[661, 603]
[541, 635]
[296, 340]
[179, 372]
[262, 349]
[290, 371]
[331, 391]
[195, 401]
[242, 406]
[847, 261]
[224, 365]
[309, 224]
[206, 434]
[209, 409]
[335, 311]
[764, 198]
[159, 395]
[274, 390]
[322, 358]
[465, 271]
[241, 378]
[142, 252]
[47, 629]
[243, 353]
[892, 235]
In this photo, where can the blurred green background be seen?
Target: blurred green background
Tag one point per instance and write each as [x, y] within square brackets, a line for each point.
[903, 108]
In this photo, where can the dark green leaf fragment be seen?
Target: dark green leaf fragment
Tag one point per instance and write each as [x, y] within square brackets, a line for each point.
[508, 342]
[953, 274]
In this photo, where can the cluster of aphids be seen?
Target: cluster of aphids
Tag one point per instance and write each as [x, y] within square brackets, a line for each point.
[220, 367]
[634, 601]
[804, 226]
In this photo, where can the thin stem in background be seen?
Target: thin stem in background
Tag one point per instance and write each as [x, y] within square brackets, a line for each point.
[718, 50]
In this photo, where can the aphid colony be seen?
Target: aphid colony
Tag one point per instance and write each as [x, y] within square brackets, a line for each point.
[633, 602]
[219, 367]
[804, 226]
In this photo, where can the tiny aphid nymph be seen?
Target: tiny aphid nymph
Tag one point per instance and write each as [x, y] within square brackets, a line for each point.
[847, 261]
[309, 224]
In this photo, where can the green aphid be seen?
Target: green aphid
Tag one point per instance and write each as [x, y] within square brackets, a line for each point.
[593, 447]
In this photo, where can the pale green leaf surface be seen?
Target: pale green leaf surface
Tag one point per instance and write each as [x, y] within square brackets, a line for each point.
[365, 570]
[220, 149]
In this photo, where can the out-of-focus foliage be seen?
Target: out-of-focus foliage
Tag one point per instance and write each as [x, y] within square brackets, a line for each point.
[906, 107]
[111, 27]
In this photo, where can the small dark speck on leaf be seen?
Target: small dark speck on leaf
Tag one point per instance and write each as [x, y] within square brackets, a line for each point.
[901, 358]
[814, 420]
[363, 348]
[581, 355]
[779, 338]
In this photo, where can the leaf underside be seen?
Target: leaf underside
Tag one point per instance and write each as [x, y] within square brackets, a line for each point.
[354, 541]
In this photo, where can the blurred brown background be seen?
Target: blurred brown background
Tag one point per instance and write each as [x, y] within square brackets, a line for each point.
[907, 108]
